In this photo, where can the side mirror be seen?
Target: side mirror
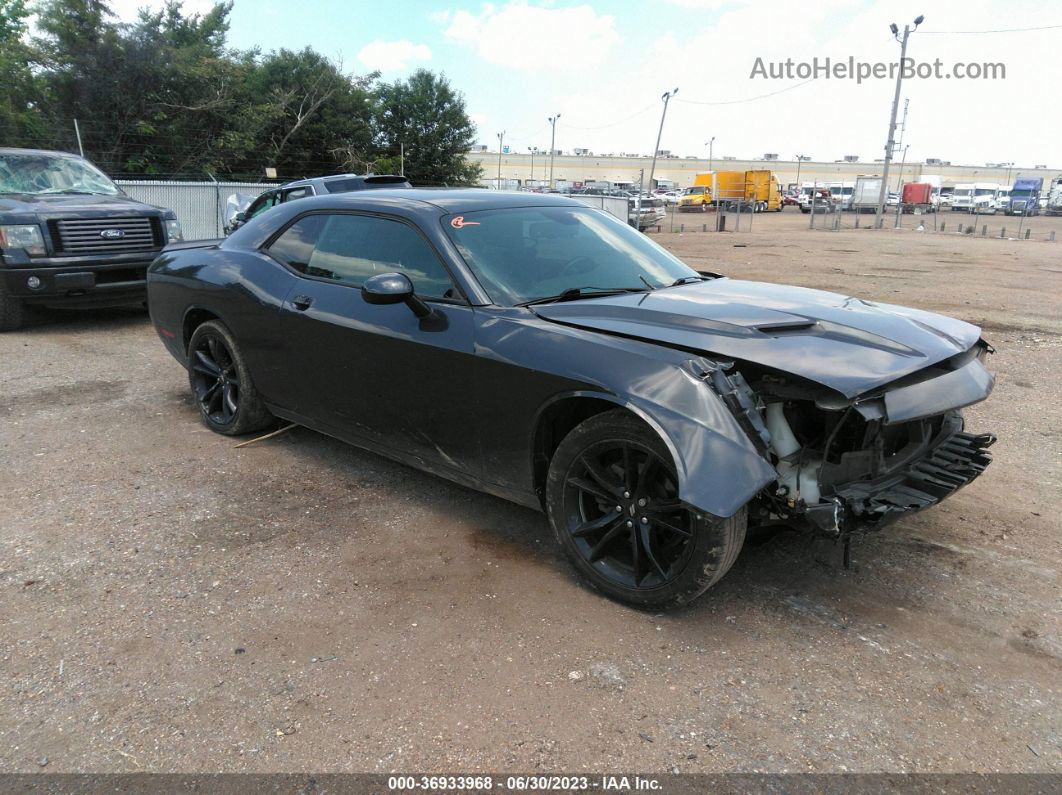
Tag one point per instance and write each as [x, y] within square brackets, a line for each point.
[240, 217]
[393, 288]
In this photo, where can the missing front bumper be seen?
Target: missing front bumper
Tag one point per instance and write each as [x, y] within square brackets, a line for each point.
[955, 461]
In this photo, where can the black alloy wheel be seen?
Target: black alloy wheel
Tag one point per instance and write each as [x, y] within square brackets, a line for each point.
[612, 496]
[625, 516]
[221, 385]
[215, 381]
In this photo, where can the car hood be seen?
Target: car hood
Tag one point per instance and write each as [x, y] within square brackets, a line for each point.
[13, 204]
[847, 344]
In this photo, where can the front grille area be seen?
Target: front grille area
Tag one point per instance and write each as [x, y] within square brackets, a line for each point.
[83, 235]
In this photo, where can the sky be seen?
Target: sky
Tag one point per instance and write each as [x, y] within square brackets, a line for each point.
[604, 64]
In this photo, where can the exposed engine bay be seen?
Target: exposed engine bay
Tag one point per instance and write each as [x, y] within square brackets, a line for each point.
[853, 465]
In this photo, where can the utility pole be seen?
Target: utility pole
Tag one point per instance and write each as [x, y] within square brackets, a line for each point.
[501, 138]
[666, 97]
[77, 132]
[903, 131]
[710, 142]
[903, 162]
[552, 145]
[532, 151]
[890, 144]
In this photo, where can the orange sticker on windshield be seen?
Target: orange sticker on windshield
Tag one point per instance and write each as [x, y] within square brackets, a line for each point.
[459, 222]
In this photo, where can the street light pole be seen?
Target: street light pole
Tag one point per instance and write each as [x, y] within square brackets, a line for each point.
[890, 144]
[552, 145]
[501, 138]
[666, 97]
[710, 142]
[532, 151]
[800, 160]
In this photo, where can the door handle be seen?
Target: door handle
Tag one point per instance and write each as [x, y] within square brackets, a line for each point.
[301, 302]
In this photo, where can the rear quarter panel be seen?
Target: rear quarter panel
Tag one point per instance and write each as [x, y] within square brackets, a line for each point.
[244, 290]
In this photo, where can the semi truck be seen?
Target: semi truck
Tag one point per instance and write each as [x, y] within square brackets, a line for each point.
[1025, 196]
[1054, 198]
[748, 190]
[865, 194]
[755, 190]
[697, 197]
[975, 197]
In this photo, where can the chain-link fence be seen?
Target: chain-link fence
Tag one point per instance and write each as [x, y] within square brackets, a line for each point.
[200, 206]
[942, 220]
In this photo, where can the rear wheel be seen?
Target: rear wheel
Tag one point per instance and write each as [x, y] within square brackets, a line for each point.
[612, 500]
[11, 310]
[221, 384]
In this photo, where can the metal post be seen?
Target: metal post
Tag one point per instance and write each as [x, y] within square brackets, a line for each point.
[77, 132]
[890, 143]
[552, 145]
[666, 97]
[217, 205]
[710, 142]
[501, 137]
[814, 190]
[402, 159]
[800, 159]
[532, 151]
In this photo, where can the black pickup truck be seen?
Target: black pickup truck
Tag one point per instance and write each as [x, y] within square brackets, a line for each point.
[70, 237]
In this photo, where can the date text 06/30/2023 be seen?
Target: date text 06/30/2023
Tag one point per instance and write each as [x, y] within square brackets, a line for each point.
[524, 783]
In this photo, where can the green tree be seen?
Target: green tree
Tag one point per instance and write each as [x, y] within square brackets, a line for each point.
[424, 116]
[18, 114]
[308, 112]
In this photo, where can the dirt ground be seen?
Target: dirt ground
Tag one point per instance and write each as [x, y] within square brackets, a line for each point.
[171, 603]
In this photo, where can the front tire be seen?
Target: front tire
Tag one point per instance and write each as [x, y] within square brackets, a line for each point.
[612, 501]
[11, 310]
[221, 384]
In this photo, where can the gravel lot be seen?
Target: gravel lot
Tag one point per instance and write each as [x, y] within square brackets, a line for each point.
[174, 604]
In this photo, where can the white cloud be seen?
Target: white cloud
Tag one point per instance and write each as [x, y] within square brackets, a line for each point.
[392, 56]
[524, 36]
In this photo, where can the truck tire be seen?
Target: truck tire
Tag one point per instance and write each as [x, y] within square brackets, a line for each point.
[611, 499]
[11, 310]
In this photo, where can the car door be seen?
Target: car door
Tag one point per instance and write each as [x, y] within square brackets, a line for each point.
[378, 373]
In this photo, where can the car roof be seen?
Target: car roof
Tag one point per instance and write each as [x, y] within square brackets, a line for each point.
[14, 150]
[450, 200]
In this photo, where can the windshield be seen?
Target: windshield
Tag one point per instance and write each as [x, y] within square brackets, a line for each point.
[692, 191]
[984, 192]
[1021, 192]
[38, 174]
[527, 253]
[962, 192]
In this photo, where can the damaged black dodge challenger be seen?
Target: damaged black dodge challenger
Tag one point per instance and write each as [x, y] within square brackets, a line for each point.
[540, 350]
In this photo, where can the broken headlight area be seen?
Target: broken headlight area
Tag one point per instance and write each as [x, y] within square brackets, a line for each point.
[842, 465]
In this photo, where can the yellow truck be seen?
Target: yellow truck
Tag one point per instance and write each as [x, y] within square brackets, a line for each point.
[753, 190]
[698, 197]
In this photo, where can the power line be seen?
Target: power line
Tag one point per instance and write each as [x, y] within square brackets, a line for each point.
[614, 123]
[1001, 30]
[748, 99]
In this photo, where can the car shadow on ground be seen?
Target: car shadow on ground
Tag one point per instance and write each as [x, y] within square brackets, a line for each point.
[789, 571]
[45, 320]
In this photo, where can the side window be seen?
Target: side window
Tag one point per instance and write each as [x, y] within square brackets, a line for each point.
[351, 248]
[261, 204]
[295, 247]
[297, 193]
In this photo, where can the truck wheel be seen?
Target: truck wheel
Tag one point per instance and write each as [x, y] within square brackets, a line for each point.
[221, 384]
[612, 501]
[11, 310]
